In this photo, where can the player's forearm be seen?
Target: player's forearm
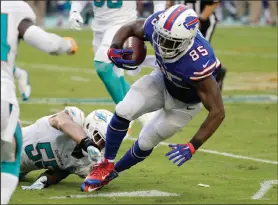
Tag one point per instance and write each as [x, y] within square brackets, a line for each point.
[126, 31]
[208, 10]
[54, 176]
[209, 126]
[73, 130]
[78, 6]
[47, 42]
[121, 36]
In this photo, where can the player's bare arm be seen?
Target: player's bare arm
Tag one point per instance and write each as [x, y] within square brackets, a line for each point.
[210, 94]
[62, 121]
[134, 28]
[48, 178]
[44, 41]
[54, 176]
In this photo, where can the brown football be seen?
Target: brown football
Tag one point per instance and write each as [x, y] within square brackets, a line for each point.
[139, 50]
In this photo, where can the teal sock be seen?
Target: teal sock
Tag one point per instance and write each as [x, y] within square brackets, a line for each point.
[111, 80]
[125, 85]
[14, 167]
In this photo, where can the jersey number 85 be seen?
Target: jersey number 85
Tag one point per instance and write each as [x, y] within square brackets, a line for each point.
[195, 54]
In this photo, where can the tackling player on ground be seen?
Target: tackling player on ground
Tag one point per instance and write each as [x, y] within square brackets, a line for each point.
[185, 79]
[18, 23]
[64, 143]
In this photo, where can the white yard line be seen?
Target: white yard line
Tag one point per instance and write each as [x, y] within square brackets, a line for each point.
[58, 68]
[226, 154]
[265, 186]
[150, 193]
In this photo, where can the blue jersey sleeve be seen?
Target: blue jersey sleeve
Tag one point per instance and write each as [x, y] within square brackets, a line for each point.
[148, 25]
[202, 61]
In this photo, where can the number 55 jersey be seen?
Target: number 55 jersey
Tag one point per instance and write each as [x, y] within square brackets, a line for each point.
[195, 63]
[45, 147]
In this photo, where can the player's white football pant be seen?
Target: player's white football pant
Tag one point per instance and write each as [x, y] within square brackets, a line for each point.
[149, 94]
[9, 120]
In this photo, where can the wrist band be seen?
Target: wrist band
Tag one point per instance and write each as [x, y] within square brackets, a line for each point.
[196, 143]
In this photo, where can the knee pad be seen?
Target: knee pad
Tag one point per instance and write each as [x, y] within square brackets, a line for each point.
[124, 111]
[146, 142]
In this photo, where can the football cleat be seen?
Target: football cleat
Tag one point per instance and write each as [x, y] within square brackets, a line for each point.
[101, 175]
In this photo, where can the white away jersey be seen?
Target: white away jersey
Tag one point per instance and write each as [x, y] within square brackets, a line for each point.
[46, 147]
[12, 13]
[108, 13]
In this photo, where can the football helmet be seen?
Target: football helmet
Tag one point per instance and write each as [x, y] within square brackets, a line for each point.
[174, 31]
[95, 126]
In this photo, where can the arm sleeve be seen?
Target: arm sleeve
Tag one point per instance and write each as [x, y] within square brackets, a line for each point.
[204, 70]
[78, 6]
[54, 176]
[47, 42]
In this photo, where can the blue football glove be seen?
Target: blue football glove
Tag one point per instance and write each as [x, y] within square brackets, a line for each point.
[180, 153]
[116, 56]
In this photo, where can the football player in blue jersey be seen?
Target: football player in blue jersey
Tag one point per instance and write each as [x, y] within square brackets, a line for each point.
[186, 79]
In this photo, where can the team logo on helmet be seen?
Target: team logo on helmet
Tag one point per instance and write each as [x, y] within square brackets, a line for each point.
[191, 22]
[101, 116]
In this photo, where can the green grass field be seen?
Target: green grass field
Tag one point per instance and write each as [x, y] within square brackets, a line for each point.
[250, 129]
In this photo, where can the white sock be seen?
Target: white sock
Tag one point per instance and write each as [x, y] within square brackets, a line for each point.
[8, 186]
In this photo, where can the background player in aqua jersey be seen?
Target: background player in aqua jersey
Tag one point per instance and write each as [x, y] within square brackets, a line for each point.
[109, 16]
[18, 23]
[185, 79]
[64, 143]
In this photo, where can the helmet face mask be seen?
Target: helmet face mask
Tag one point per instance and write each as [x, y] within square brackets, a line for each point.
[95, 126]
[171, 37]
[168, 47]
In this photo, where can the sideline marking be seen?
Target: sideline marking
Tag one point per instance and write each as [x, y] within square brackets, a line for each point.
[150, 193]
[226, 154]
[102, 101]
[265, 186]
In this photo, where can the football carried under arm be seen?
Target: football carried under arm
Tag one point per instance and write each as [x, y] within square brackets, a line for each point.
[134, 28]
[116, 53]
[44, 41]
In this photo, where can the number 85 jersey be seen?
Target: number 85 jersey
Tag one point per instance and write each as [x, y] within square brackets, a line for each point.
[194, 64]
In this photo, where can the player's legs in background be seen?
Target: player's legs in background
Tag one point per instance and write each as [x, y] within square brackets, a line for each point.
[104, 68]
[145, 95]
[11, 145]
[165, 124]
[159, 6]
[207, 30]
[273, 12]
[23, 82]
